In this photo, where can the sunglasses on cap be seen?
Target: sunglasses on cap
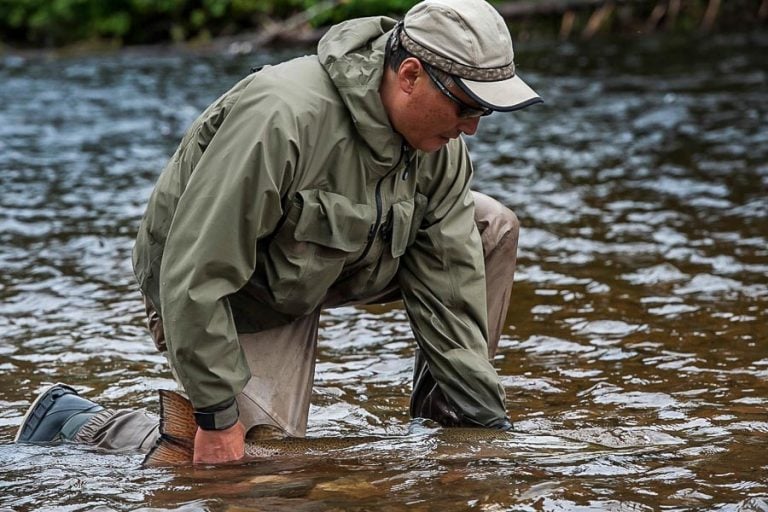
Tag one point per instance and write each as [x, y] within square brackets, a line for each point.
[465, 110]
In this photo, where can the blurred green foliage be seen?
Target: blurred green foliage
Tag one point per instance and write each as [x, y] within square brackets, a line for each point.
[47, 23]
[61, 22]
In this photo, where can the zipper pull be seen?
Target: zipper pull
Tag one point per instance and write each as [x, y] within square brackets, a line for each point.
[407, 152]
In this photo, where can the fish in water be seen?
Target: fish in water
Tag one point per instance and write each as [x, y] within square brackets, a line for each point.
[177, 433]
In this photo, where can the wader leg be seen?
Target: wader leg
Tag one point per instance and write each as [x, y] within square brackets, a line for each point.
[122, 430]
[282, 363]
[499, 230]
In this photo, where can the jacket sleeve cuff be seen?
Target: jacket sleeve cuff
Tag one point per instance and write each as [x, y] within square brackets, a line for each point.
[500, 424]
[218, 417]
[503, 424]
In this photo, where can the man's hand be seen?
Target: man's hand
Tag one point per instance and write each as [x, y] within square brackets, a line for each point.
[219, 446]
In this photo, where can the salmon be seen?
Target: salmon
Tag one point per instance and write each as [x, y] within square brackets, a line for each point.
[177, 434]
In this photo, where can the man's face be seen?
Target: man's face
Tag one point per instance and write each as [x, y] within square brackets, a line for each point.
[429, 118]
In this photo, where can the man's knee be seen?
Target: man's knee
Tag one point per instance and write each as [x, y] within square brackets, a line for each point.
[499, 226]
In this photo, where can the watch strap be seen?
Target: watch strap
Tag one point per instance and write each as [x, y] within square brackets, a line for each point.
[219, 417]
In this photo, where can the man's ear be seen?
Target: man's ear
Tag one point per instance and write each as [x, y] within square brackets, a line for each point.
[407, 74]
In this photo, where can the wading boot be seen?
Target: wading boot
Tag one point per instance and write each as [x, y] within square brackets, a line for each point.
[58, 413]
[428, 401]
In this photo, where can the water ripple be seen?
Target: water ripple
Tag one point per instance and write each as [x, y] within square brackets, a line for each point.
[633, 357]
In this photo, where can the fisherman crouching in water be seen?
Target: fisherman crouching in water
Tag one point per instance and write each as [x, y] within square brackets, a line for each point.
[329, 180]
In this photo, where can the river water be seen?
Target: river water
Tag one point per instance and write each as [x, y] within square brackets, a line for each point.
[636, 354]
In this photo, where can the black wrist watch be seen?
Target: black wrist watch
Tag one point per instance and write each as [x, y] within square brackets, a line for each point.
[218, 417]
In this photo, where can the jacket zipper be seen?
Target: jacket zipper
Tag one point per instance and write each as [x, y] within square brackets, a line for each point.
[407, 161]
[376, 225]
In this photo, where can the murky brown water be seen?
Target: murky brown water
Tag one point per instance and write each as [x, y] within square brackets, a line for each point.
[636, 357]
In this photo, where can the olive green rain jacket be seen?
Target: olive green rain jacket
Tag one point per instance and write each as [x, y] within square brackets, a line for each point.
[293, 183]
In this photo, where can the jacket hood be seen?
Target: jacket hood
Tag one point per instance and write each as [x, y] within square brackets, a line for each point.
[352, 54]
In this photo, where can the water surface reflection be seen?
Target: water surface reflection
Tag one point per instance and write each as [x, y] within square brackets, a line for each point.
[635, 360]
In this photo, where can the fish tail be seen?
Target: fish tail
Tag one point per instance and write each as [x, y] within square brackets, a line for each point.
[176, 443]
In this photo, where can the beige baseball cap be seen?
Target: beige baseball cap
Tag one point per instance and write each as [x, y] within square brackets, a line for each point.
[469, 40]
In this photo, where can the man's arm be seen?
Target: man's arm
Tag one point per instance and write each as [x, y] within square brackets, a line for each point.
[232, 200]
[442, 278]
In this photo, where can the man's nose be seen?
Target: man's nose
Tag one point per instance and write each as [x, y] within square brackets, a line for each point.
[469, 125]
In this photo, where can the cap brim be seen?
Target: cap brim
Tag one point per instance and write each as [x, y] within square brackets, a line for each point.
[503, 95]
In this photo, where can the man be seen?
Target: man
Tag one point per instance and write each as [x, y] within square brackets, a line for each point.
[327, 180]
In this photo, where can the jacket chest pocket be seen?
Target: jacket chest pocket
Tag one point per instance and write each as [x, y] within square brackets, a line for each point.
[406, 217]
[321, 232]
[397, 233]
[336, 225]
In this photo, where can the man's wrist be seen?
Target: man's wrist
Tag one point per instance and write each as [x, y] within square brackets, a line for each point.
[218, 417]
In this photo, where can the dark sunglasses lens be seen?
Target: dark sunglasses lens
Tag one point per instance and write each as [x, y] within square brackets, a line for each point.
[466, 111]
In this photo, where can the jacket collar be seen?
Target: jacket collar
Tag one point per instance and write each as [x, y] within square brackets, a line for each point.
[352, 54]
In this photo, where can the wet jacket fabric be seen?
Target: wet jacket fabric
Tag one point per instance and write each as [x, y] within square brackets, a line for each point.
[294, 184]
